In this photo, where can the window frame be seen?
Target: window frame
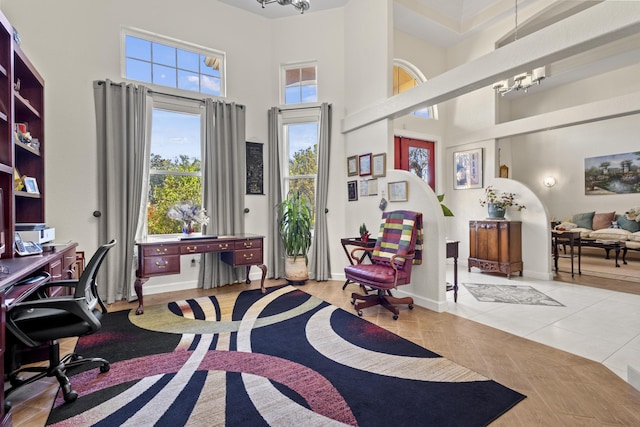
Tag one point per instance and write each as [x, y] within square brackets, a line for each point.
[178, 44]
[172, 104]
[283, 80]
[292, 117]
[417, 75]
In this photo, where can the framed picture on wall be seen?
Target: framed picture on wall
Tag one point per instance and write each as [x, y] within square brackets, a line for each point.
[379, 165]
[364, 163]
[398, 191]
[352, 190]
[352, 165]
[467, 169]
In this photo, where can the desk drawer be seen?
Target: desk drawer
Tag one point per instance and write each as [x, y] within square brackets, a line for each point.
[161, 265]
[160, 250]
[249, 244]
[195, 248]
[248, 257]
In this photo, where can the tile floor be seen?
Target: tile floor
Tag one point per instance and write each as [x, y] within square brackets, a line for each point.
[598, 324]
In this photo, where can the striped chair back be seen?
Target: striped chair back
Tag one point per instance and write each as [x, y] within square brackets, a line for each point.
[400, 231]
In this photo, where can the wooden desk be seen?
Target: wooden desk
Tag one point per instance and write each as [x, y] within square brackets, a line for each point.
[161, 257]
[357, 242]
[452, 252]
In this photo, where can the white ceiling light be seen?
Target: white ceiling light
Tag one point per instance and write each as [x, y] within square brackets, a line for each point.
[522, 81]
[301, 5]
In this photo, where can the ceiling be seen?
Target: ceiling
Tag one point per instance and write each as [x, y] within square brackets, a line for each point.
[441, 22]
[445, 23]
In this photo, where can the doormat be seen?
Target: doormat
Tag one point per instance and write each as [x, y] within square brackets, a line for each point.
[511, 294]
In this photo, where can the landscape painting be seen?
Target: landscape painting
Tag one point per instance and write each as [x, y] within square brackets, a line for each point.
[612, 174]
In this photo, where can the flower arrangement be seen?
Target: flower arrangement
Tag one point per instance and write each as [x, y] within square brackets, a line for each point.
[188, 213]
[503, 200]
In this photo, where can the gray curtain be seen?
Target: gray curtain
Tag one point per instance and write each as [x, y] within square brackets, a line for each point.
[123, 120]
[223, 185]
[275, 252]
[319, 266]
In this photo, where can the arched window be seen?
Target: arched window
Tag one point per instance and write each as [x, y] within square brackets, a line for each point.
[407, 76]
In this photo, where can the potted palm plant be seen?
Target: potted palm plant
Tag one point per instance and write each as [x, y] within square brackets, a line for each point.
[295, 222]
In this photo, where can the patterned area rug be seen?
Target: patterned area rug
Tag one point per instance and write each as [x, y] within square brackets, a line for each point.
[285, 358]
[512, 294]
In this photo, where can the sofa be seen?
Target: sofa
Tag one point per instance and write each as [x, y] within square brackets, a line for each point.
[606, 230]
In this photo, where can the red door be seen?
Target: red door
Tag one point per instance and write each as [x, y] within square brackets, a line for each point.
[416, 156]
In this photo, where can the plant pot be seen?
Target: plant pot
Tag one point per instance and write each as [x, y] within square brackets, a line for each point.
[296, 271]
[495, 211]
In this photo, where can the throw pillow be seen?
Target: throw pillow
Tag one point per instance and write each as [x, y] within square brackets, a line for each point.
[584, 220]
[628, 224]
[614, 224]
[602, 220]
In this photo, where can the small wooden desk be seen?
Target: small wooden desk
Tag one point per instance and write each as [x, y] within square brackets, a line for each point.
[452, 252]
[161, 257]
[357, 242]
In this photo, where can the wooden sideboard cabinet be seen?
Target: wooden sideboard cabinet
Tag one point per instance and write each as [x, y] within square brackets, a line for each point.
[495, 246]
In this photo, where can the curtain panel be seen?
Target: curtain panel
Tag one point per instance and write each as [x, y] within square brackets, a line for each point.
[319, 265]
[123, 121]
[223, 186]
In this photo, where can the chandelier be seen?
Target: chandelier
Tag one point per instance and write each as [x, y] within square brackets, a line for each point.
[301, 5]
[522, 81]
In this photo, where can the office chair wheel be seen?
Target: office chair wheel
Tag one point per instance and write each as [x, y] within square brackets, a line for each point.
[353, 302]
[395, 317]
[360, 313]
[105, 368]
[71, 396]
[410, 306]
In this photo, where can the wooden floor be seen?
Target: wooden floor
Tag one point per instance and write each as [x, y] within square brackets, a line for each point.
[562, 389]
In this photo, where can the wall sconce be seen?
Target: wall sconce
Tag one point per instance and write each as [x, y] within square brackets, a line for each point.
[550, 181]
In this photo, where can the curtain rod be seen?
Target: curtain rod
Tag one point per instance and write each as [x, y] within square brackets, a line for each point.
[311, 107]
[189, 98]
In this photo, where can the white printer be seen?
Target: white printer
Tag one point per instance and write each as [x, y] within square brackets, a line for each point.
[36, 232]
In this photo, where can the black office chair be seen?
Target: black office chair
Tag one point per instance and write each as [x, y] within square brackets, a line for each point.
[44, 320]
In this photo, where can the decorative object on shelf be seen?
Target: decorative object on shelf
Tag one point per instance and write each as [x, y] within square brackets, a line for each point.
[301, 5]
[398, 191]
[522, 81]
[364, 233]
[467, 166]
[364, 164]
[189, 214]
[497, 203]
[17, 180]
[31, 185]
[445, 210]
[352, 165]
[504, 171]
[352, 190]
[295, 220]
[379, 165]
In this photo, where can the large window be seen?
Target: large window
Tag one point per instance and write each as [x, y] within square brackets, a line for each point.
[301, 149]
[150, 58]
[299, 83]
[175, 172]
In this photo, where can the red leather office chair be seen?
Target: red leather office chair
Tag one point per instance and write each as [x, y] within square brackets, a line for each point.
[398, 247]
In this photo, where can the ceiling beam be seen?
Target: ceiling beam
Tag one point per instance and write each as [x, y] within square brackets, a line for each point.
[597, 26]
